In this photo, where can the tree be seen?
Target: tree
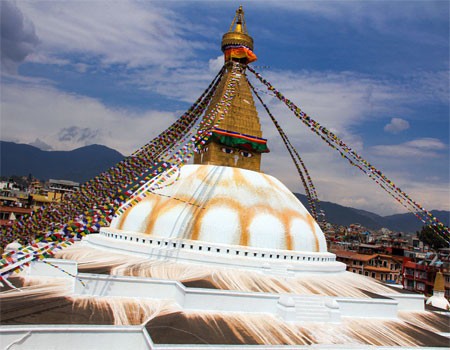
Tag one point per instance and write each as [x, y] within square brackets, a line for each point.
[428, 236]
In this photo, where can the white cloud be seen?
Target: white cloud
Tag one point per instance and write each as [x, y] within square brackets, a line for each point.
[381, 16]
[41, 145]
[342, 101]
[133, 33]
[18, 38]
[67, 121]
[419, 148]
[339, 101]
[396, 125]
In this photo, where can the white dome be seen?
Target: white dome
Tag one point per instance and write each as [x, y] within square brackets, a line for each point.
[225, 205]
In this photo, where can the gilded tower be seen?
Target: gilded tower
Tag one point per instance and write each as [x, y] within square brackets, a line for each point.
[237, 142]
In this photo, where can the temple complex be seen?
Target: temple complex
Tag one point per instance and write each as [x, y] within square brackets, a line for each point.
[213, 254]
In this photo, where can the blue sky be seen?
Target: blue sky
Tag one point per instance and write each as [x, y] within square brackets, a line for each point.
[118, 72]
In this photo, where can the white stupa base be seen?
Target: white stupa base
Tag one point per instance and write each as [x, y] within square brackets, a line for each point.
[270, 261]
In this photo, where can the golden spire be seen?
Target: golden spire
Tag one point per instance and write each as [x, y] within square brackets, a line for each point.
[439, 285]
[237, 141]
[238, 35]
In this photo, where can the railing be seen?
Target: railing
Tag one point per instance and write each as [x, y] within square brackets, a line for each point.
[222, 249]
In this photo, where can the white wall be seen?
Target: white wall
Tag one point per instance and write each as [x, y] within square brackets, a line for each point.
[409, 302]
[74, 337]
[367, 308]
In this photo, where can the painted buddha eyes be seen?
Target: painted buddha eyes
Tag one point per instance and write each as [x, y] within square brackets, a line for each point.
[242, 153]
[227, 150]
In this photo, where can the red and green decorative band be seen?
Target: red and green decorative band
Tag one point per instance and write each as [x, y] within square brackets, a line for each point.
[238, 140]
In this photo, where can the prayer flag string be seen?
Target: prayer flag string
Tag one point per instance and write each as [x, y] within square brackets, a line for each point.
[310, 190]
[94, 205]
[356, 160]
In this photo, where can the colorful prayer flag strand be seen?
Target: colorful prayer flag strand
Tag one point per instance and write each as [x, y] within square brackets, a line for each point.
[80, 214]
[356, 160]
[187, 145]
[308, 185]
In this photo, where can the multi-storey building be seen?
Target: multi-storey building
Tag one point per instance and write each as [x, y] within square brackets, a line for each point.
[383, 267]
[419, 271]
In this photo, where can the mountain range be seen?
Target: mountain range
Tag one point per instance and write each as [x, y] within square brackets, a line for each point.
[86, 162]
[341, 215]
[78, 165]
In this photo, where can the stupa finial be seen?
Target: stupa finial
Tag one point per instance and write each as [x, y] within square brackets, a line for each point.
[237, 35]
[439, 285]
[238, 22]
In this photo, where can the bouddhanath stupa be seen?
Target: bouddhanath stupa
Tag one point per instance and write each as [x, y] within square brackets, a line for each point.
[209, 254]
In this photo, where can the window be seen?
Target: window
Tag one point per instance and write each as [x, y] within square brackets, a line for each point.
[373, 274]
[182, 245]
[209, 249]
[218, 250]
[200, 248]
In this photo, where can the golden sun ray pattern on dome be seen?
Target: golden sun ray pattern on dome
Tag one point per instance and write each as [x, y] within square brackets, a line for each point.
[232, 206]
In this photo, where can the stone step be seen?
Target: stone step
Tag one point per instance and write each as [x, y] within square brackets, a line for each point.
[311, 309]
